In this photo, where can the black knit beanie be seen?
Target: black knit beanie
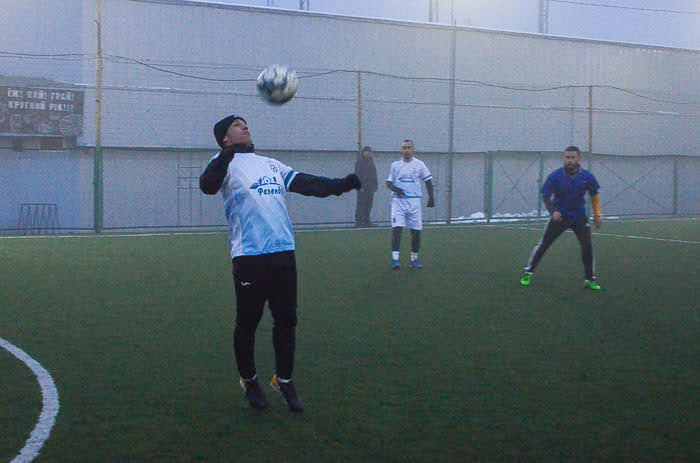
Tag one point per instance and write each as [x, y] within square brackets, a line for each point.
[221, 127]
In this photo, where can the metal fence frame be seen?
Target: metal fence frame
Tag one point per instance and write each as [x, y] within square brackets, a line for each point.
[149, 189]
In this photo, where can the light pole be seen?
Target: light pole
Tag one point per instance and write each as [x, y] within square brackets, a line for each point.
[451, 120]
[543, 24]
[97, 167]
[433, 11]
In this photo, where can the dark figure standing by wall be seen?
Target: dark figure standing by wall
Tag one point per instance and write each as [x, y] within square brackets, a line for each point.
[367, 172]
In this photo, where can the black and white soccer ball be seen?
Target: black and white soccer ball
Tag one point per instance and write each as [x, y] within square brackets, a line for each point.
[277, 84]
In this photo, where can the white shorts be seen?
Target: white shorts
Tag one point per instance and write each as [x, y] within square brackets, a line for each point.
[407, 212]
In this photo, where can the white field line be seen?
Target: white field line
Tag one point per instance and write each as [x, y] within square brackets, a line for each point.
[302, 230]
[495, 224]
[108, 235]
[669, 240]
[49, 410]
[658, 219]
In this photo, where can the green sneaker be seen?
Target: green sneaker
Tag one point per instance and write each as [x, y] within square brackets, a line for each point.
[591, 284]
[525, 280]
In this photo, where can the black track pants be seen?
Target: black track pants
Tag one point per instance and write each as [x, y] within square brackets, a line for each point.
[258, 279]
[581, 228]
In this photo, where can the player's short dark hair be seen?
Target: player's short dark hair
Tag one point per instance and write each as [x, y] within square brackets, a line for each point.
[573, 148]
[366, 148]
[408, 140]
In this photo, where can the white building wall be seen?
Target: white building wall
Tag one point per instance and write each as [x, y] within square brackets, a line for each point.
[146, 104]
[30, 30]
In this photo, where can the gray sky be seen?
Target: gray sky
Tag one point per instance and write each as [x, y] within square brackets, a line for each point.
[631, 21]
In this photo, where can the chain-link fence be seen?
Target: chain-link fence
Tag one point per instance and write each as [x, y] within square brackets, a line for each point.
[155, 189]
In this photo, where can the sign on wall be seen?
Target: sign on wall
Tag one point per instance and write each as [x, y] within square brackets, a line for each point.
[41, 111]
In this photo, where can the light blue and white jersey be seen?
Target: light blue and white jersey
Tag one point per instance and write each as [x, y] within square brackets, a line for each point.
[256, 210]
[408, 176]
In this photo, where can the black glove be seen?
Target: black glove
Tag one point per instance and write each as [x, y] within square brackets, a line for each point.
[431, 202]
[352, 182]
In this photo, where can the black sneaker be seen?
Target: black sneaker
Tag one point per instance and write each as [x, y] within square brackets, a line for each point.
[252, 391]
[289, 393]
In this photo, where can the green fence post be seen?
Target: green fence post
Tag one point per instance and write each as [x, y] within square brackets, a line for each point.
[97, 166]
[539, 186]
[450, 182]
[590, 169]
[98, 189]
[675, 185]
[488, 185]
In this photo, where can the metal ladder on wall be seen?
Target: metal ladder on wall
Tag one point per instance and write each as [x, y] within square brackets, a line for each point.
[189, 199]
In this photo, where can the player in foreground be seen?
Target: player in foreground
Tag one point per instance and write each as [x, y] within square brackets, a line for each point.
[404, 180]
[262, 248]
[568, 185]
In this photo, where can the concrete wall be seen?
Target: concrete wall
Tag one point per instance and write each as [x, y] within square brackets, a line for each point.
[33, 29]
[496, 73]
[149, 44]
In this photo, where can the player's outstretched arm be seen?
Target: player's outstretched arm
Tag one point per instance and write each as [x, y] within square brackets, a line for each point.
[320, 187]
[214, 174]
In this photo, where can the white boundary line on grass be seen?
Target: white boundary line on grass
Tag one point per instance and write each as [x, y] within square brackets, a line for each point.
[50, 405]
[335, 229]
[108, 235]
[669, 240]
[302, 230]
[654, 219]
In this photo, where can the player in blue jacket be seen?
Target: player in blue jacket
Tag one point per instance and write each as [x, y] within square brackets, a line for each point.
[563, 195]
[262, 248]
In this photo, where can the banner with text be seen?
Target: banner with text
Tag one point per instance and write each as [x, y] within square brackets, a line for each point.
[41, 111]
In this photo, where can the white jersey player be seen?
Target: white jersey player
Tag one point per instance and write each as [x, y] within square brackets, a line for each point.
[405, 178]
[253, 192]
[253, 188]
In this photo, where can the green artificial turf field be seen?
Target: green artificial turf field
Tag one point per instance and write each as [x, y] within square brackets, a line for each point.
[455, 362]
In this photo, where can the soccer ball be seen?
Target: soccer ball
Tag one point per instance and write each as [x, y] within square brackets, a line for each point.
[277, 84]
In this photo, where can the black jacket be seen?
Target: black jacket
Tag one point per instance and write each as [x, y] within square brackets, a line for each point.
[367, 172]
